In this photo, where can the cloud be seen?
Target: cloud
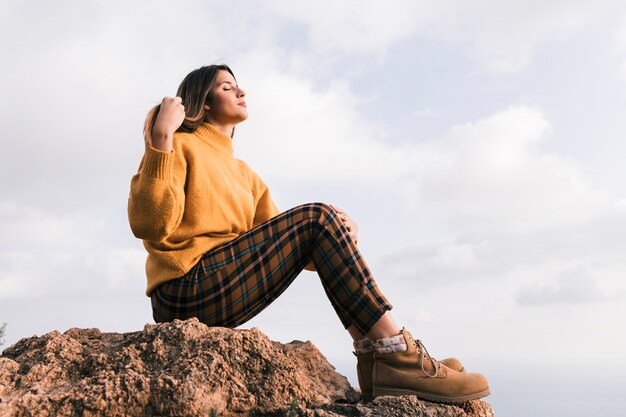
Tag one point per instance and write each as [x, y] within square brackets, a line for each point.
[53, 254]
[502, 259]
[352, 27]
[421, 316]
[434, 263]
[322, 137]
[346, 147]
[619, 40]
[502, 36]
[491, 173]
[573, 286]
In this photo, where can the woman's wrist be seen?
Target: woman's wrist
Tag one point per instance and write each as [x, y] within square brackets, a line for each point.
[162, 141]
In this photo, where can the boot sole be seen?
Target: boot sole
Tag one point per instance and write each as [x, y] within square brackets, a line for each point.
[397, 392]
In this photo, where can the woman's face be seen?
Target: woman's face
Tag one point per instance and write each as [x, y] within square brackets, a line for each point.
[228, 105]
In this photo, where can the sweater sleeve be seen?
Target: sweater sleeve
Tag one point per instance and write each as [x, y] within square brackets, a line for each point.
[156, 201]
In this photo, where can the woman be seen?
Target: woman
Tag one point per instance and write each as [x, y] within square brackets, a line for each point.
[220, 250]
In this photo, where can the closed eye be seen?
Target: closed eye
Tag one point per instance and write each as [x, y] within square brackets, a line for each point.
[227, 85]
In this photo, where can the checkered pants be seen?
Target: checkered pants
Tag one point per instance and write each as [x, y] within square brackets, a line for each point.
[234, 282]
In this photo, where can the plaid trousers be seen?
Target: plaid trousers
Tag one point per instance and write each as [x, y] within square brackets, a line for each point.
[234, 282]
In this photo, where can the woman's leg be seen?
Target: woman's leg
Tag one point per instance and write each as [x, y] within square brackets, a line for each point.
[385, 327]
[235, 282]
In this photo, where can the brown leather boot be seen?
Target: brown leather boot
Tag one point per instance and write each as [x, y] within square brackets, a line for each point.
[415, 372]
[365, 366]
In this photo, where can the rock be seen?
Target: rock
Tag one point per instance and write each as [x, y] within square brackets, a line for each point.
[409, 405]
[186, 368]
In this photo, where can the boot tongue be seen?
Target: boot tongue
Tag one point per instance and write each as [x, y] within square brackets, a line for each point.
[411, 346]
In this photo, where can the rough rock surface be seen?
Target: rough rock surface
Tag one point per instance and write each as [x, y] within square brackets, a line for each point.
[185, 368]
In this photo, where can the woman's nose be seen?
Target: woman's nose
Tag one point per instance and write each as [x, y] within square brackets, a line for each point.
[240, 92]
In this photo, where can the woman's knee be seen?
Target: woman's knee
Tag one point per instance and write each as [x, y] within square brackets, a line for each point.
[328, 216]
[320, 213]
[324, 208]
[314, 209]
[325, 212]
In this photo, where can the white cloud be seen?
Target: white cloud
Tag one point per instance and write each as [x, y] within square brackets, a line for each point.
[621, 205]
[619, 39]
[28, 225]
[492, 172]
[66, 253]
[423, 316]
[352, 27]
[574, 286]
[10, 287]
[317, 136]
[438, 260]
[424, 112]
[116, 267]
[502, 36]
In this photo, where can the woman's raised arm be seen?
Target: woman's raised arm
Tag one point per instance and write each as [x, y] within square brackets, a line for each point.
[157, 201]
[170, 115]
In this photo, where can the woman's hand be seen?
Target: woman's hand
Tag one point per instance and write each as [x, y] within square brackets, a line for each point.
[351, 225]
[171, 115]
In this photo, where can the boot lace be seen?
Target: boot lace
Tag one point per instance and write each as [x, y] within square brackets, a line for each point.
[424, 353]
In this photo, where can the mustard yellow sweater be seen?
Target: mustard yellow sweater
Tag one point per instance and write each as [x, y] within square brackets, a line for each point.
[191, 200]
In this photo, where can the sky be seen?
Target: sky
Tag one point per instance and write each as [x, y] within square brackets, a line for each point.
[478, 145]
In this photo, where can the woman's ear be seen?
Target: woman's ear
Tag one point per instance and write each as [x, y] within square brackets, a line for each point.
[206, 107]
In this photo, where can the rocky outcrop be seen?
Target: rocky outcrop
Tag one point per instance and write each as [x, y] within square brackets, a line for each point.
[186, 368]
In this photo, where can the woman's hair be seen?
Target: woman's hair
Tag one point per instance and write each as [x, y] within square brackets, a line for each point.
[195, 92]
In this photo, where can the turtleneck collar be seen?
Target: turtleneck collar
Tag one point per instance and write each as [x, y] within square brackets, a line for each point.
[212, 136]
